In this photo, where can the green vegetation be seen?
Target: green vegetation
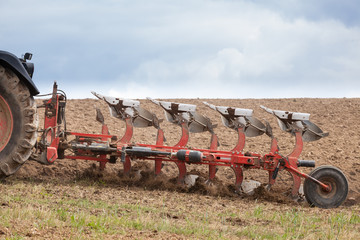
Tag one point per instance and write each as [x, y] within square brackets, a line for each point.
[72, 211]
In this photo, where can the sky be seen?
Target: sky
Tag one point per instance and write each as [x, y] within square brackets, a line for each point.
[189, 48]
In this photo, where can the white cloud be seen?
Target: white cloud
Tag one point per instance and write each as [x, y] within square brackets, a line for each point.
[188, 48]
[284, 55]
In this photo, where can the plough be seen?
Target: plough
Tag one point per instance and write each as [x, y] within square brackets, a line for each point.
[324, 187]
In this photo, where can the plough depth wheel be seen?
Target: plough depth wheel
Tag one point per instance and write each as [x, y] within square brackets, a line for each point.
[319, 197]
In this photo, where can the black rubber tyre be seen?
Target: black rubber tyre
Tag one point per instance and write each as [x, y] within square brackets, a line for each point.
[18, 122]
[317, 196]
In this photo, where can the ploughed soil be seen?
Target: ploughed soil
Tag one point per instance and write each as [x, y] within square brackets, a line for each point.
[338, 117]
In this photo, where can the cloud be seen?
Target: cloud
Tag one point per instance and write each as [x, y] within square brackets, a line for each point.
[297, 59]
[347, 11]
[189, 48]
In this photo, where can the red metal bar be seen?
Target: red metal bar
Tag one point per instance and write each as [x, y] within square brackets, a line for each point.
[290, 163]
[50, 126]
[178, 148]
[209, 157]
[128, 132]
[125, 140]
[274, 148]
[181, 144]
[127, 165]
[182, 171]
[238, 175]
[304, 175]
[184, 135]
[293, 158]
[241, 141]
[104, 130]
[91, 135]
[298, 146]
[159, 141]
[213, 146]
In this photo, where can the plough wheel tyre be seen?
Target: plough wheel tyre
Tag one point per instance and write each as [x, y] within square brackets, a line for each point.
[18, 122]
[317, 196]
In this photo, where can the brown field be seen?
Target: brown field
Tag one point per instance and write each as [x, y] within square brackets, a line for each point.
[74, 200]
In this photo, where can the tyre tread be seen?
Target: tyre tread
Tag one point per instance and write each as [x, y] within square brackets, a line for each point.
[10, 164]
[309, 192]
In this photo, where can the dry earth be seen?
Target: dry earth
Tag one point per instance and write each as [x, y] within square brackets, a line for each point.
[339, 117]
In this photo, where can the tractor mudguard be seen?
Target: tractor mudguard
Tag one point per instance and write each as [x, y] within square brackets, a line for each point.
[10, 60]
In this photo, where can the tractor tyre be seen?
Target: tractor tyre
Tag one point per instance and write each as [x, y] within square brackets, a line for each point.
[319, 197]
[18, 122]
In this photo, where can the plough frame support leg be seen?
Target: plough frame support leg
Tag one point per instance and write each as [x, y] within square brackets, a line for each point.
[182, 143]
[238, 176]
[126, 139]
[293, 157]
[105, 131]
[241, 140]
[213, 146]
[159, 141]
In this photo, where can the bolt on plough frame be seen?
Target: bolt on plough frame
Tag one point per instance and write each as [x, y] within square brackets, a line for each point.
[324, 187]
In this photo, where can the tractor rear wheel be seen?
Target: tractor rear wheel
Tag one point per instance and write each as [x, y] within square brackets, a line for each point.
[18, 122]
[319, 197]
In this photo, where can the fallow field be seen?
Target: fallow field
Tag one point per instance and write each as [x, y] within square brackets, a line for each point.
[73, 199]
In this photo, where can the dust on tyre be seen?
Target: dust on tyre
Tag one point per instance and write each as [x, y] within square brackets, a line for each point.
[319, 197]
[18, 122]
